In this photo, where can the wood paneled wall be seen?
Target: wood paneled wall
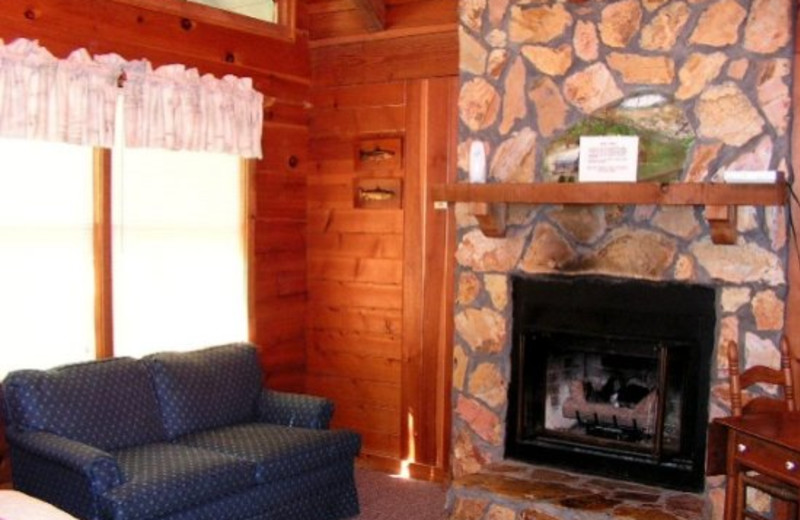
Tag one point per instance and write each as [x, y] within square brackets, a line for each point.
[427, 55]
[355, 268]
[279, 219]
[379, 280]
[335, 19]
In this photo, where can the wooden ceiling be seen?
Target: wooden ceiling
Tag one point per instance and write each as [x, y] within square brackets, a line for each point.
[336, 19]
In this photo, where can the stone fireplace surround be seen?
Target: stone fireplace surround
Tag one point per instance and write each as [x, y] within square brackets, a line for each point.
[532, 69]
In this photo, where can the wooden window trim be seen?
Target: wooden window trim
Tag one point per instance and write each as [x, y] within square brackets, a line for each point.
[284, 29]
[103, 307]
[248, 169]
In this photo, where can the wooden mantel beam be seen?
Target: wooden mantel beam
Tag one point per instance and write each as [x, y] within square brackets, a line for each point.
[373, 13]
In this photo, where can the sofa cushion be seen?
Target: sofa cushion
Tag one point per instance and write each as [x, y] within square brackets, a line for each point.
[279, 452]
[109, 404]
[206, 388]
[164, 478]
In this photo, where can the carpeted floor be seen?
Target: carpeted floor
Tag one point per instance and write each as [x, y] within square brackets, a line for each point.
[384, 497]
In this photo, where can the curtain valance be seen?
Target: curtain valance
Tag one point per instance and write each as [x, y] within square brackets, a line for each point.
[173, 107]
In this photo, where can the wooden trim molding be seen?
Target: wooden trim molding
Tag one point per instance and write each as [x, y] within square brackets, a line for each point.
[103, 311]
[249, 211]
[192, 13]
[429, 241]
[389, 34]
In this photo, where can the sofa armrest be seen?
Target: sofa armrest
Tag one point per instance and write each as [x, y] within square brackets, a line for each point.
[303, 411]
[99, 468]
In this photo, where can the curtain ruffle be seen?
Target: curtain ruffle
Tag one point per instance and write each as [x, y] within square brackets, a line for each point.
[42, 97]
[172, 107]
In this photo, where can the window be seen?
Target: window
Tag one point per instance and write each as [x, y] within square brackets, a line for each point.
[178, 257]
[264, 10]
[173, 276]
[178, 253]
[274, 18]
[47, 285]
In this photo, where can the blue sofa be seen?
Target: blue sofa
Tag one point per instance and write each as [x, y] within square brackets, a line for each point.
[177, 436]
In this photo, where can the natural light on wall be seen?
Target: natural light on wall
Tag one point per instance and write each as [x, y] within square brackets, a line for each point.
[46, 254]
[178, 251]
[260, 9]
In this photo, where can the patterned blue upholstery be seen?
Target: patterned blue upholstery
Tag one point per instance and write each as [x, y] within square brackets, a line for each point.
[61, 471]
[177, 437]
[304, 411]
[328, 493]
[206, 388]
[164, 478]
[98, 466]
[108, 404]
[279, 452]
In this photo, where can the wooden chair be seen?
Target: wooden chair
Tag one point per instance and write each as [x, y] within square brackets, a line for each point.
[786, 505]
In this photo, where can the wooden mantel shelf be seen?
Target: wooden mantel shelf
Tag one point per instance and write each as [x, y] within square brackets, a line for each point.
[615, 193]
[490, 200]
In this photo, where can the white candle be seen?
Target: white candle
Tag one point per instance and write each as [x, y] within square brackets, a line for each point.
[477, 163]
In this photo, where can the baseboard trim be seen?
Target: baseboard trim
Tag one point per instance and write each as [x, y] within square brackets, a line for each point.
[395, 466]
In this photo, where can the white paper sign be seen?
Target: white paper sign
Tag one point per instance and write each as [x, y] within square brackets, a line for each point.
[608, 158]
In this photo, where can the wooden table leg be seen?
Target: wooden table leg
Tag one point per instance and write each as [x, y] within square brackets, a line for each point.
[732, 484]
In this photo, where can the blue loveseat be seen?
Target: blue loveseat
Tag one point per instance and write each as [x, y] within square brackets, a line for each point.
[177, 436]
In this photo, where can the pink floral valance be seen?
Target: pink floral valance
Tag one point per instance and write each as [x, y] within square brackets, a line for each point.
[73, 101]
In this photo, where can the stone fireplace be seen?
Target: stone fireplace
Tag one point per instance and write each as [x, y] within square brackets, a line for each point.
[530, 72]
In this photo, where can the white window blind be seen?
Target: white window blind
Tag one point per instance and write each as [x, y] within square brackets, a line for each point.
[46, 255]
[178, 250]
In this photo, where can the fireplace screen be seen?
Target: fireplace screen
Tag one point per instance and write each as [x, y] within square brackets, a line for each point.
[604, 383]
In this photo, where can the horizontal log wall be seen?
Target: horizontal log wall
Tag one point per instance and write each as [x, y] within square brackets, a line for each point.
[355, 267]
[335, 19]
[370, 347]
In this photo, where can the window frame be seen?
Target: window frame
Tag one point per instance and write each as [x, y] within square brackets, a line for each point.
[103, 244]
[284, 28]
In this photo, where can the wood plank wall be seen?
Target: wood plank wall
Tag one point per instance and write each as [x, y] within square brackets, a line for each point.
[280, 69]
[378, 339]
[331, 19]
[355, 267]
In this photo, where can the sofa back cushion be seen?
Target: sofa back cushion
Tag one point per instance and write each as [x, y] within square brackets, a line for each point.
[109, 404]
[206, 388]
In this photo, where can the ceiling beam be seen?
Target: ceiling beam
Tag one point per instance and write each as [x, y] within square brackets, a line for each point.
[373, 12]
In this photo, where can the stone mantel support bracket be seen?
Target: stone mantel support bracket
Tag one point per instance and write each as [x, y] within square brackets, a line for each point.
[489, 202]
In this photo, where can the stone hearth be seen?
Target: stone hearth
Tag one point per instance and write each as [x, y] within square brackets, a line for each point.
[533, 69]
[518, 491]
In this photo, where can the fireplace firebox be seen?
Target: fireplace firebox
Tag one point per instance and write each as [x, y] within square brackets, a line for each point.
[611, 376]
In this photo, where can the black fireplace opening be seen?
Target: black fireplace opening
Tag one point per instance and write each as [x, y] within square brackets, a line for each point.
[610, 376]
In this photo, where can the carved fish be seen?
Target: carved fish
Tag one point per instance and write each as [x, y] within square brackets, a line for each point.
[375, 194]
[376, 154]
